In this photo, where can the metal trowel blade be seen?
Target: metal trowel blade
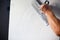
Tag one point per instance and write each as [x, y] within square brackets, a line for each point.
[36, 6]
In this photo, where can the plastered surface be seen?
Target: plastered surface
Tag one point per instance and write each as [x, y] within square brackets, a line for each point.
[26, 24]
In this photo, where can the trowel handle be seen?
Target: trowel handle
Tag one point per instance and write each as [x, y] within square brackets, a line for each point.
[39, 2]
[46, 2]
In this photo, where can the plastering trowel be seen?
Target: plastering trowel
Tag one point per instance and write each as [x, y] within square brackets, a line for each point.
[36, 4]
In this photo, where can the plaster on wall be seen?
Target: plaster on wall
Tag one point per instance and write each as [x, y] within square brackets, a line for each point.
[26, 24]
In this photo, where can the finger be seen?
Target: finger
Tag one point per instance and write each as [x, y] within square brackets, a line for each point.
[42, 6]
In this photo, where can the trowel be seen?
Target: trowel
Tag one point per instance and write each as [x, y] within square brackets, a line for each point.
[36, 4]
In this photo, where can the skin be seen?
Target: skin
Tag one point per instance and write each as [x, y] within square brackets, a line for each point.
[52, 20]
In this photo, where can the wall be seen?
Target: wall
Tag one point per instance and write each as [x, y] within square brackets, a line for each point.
[26, 24]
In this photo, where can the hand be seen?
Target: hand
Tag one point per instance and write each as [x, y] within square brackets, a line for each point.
[45, 8]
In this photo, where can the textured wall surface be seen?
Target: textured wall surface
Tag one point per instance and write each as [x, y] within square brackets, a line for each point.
[26, 24]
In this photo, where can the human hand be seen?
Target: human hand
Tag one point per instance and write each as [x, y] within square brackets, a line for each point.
[45, 8]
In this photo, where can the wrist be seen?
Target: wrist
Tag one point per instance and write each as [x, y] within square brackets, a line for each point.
[48, 12]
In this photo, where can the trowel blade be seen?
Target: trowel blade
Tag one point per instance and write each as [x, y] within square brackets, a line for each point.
[36, 6]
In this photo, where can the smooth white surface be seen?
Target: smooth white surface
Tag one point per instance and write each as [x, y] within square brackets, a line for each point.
[26, 24]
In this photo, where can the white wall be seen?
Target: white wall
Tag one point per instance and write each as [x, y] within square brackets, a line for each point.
[26, 24]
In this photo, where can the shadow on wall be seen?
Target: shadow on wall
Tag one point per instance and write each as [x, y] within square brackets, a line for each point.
[4, 19]
[56, 11]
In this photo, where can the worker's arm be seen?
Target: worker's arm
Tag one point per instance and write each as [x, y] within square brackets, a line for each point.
[52, 20]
